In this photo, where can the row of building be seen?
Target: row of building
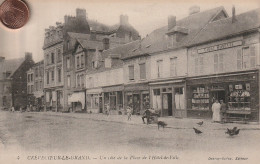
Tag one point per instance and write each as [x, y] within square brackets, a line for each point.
[178, 69]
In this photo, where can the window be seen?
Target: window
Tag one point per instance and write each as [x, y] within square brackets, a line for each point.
[59, 55]
[28, 89]
[246, 58]
[31, 77]
[52, 58]
[201, 63]
[4, 100]
[157, 103]
[47, 59]
[52, 75]
[131, 72]
[68, 44]
[82, 80]
[159, 68]
[36, 72]
[196, 64]
[40, 87]
[142, 71]
[252, 57]
[48, 77]
[68, 81]
[31, 88]
[82, 60]
[173, 66]
[77, 61]
[78, 80]
[28, 77]
[59, 75]
[68, 63]
[218, 63]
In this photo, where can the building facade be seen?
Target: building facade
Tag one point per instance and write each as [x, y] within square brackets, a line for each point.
[35, 81]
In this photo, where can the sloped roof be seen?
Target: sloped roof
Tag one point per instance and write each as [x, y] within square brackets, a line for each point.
[123, 50]
[11, 65]
[224, 27]
[157, 40]
[91, 44]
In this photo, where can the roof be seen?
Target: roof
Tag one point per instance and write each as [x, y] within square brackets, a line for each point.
[157, 40]
[11, 65]
[123, 50]
[224, 27]
[91, 44]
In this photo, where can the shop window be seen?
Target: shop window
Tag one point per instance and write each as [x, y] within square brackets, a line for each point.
[200, 98]
[145, 100]
[157, 103]
[142, 71]
[112, 98]
[159, 68]
[179, 98]
[129, 98]
[131, 72]
[239, 96]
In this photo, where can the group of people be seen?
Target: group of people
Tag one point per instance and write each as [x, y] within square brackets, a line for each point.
[219, 111]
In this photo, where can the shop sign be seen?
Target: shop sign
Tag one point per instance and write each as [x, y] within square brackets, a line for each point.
[220, 47]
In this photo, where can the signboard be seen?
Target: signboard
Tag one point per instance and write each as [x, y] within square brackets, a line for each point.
[220, 47]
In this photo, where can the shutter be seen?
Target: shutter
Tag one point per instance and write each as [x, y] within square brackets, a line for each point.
[239, 59]
[131, 72]
[142, 71]
[252, 57]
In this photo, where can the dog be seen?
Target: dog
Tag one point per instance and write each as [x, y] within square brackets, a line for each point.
[162, 124]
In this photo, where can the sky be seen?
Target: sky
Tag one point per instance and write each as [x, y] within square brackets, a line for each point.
[144, 15]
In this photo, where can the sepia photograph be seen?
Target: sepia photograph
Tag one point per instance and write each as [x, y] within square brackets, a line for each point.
[121, 81]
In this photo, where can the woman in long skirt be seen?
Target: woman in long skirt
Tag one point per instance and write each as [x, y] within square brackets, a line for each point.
[216, 111]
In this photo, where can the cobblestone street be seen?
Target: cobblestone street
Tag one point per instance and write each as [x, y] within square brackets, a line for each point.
[95, 133]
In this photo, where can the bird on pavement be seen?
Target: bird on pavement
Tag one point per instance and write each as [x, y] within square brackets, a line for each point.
[197, 131]
[200, 123]
[162, 124]
[232, 132]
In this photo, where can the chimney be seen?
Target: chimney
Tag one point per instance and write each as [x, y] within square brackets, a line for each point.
[2, 58]
[81, 13]
[194, 10]
[171, 22]
[234, 14]
[123, 19]
[28, 56]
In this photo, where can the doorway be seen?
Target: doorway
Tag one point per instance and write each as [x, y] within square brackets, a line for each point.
[219, 95]
[167, 104]
[136, 104]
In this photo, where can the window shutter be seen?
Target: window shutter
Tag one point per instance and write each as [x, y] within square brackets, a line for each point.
[142, 71]
[252, 57]
[239, 59]
[131, 72]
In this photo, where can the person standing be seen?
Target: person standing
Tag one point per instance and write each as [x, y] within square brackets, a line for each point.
[129, 113]
[216, 111]
[12, 109]
[223, 109]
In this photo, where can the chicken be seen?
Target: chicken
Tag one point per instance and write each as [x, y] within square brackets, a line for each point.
[197, 131]
[200, 123]
[162, 124]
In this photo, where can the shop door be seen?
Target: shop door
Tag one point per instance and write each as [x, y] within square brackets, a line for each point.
[136, 104]
[167, 104]
[100, 105]
[219, 95]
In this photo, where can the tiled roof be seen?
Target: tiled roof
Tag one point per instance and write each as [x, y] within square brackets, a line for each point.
[224, 27]
[91, 44]
[157, 40]
[11, 65]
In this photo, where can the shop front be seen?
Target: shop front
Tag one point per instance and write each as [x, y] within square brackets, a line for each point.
[76, 101]
[137, 97]
[239, 91]
[94, 99]
[169, 97]
[113, 97]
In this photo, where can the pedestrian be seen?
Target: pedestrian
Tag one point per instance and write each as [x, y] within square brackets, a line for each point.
[216, 111]
[223, 109]
[21, 109]
[147, 115]
[129, 113]
[12, 109]
[108, 109]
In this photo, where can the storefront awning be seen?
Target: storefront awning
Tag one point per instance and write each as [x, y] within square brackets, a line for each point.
[94, 91]
[167, 82]
[113, 88]
[77, 97]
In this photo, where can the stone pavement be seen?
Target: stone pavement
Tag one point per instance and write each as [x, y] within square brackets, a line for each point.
[175, 123]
